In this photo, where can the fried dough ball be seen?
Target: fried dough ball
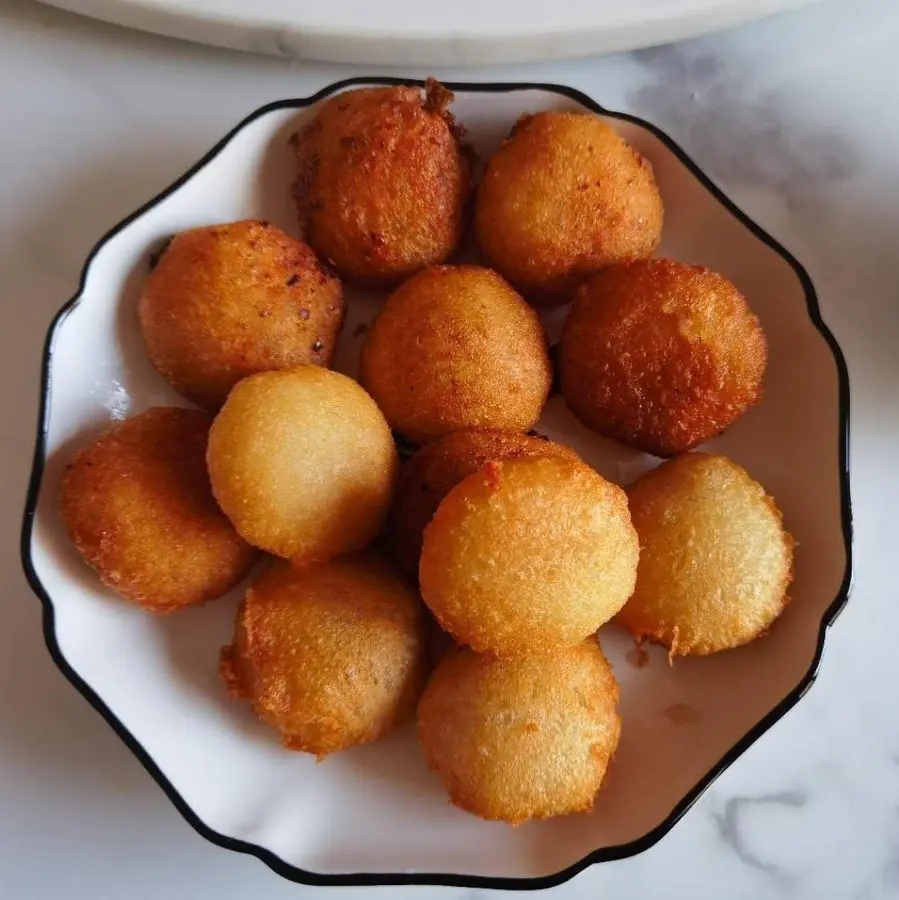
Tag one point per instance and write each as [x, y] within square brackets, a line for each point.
[382, 182]
[303, 463]
[438, 467]
[661, 355]
[564, 197]
[524, 737]
[137, 505]
[226, 301]
[331, 655]
[715, 561]
[528, 555]
[456, 347]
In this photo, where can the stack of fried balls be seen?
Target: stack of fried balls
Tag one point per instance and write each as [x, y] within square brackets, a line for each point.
[465, 586]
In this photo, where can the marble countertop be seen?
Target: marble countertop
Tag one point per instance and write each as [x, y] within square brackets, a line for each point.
[797, 118]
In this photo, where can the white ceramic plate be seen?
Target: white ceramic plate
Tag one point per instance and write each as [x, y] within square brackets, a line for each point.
[407, 33]
[376, 815]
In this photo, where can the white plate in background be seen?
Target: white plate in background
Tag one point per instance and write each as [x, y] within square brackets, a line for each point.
[407, 33]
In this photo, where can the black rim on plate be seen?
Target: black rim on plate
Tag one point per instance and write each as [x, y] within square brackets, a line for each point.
[604, 854]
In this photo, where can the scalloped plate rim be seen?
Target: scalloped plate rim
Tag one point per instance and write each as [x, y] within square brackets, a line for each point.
[605, 854]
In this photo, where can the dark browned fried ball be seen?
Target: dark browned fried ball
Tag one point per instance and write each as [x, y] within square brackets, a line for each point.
[661, 355]
[564, 197]
[303, 463]
[331, 655]
[226, 301]
[456, 347]
[528, 555]
[715, 561]
[521, 738]
[438, 467]
[382, 182]
[138, 506]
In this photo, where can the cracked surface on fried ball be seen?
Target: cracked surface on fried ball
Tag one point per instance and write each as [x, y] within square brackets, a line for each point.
[564, 197]
[528, 555]
[715, 561]
[382, 182]
[438, 467]
[137, 504]
[661, 355]
[303, 463]
[524, 737]
[331, 655]
[226, 301]
[456, 347]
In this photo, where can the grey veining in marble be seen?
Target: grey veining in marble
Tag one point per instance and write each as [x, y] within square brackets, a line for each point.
[731, 822]
[710, 97]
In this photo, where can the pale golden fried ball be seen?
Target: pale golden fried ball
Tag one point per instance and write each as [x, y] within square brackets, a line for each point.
[331, 655]
[438, 467]
[523, 737]
[715, 561]
[528, 555]
[564, 197]
[137, 504]
[303, 463]
[456, 347]
[382, 182]
[226, 301]
[661, 355]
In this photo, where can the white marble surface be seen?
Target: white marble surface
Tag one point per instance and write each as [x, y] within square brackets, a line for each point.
[798, 119]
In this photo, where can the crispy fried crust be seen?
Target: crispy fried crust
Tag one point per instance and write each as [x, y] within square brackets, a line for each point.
[564, 197]
[661, 355]
[382, 183]
[456, 347]
[438, 467]
[528, 555]
[331, 655]
[137, 505]
[715, 561]
[226, 301]
[303, 463]
[521, 738]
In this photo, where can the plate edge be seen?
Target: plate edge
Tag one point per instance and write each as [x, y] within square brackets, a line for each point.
[605, 854]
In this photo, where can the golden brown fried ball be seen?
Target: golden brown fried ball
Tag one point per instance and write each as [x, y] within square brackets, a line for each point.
[137, 504]
[226, 301]
[455, 347]
[303, 463]
[382, 182]
[528, 555]
[715, 561]
[438, 467]
[524, 737]
[331, 655]
[564, 197]
[661, 355]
